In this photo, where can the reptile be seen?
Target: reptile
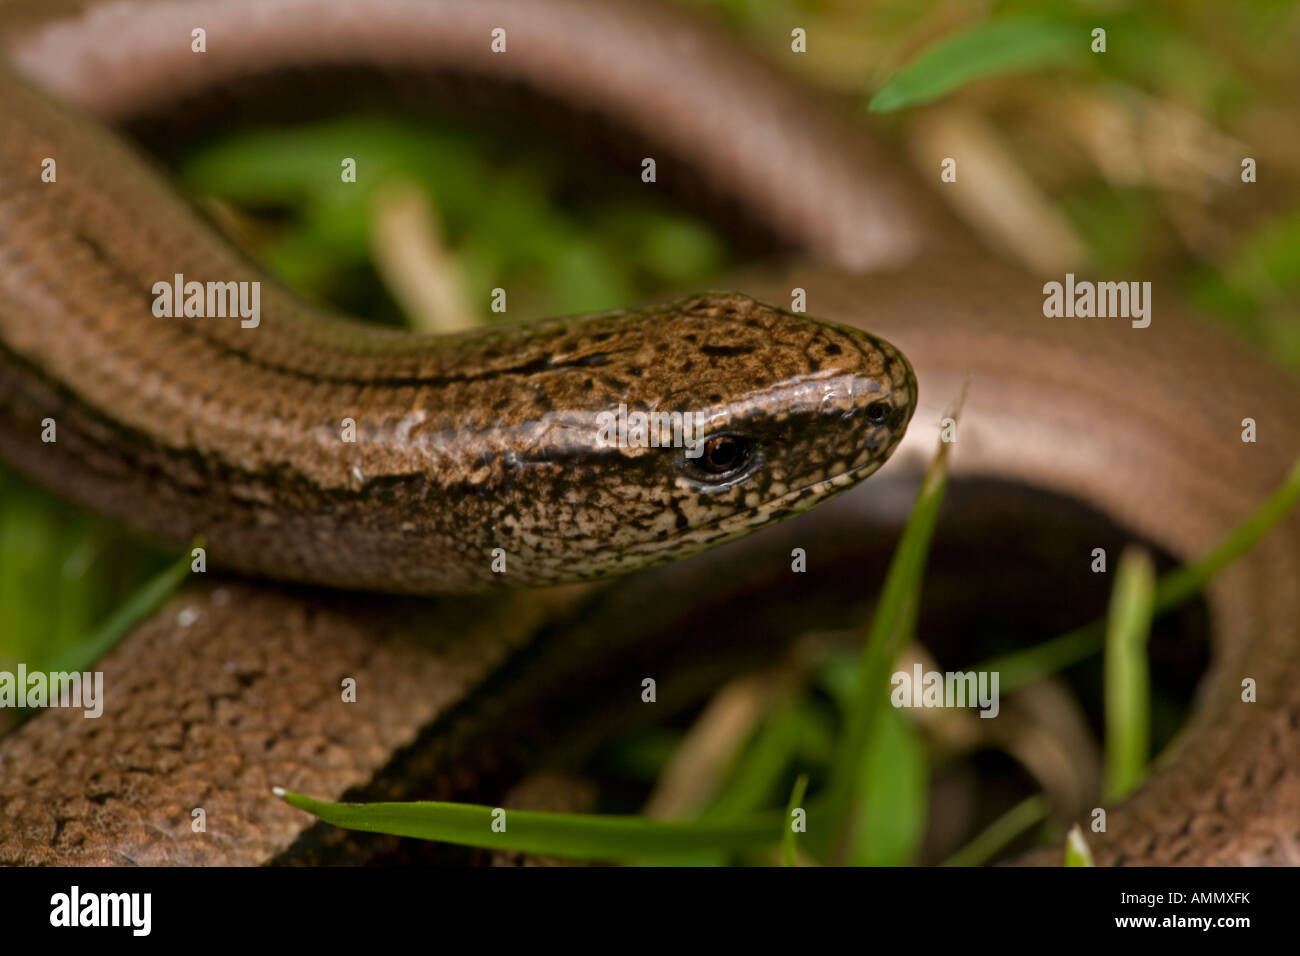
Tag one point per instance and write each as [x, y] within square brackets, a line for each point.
[478, 445]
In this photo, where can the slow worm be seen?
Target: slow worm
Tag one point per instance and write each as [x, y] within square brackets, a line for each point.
[485, 444]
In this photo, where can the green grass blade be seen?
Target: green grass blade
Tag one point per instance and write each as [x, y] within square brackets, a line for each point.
[986, 845]
[1128, 684]
[1177, 586]
[135, 609]
[29, 542]
[1043, 660]
[891, 627]
[1077, 852]
[753, 781]
[996, 46]
[893, 794]
[571, 835]
[796, 802]
[1040, 661]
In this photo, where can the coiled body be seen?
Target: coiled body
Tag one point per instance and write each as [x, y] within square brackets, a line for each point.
[1126, 420]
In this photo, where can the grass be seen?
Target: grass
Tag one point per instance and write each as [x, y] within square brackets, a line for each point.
[847, 822]
[63, 575]
[996, 46]
[1013, 824]
[1077, 852]
[1051, 657]
[127, 615]
[1128, 681]
[856, 812]
[867, 720]
[567, 835]
[789, 839]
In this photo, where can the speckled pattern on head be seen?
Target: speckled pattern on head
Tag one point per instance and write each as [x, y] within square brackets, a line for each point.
[811, 408]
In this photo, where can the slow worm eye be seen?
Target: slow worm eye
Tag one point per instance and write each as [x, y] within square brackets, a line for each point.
[878, 412]
[725, 454]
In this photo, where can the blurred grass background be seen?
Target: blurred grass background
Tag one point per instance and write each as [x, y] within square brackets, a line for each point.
[1131, 161]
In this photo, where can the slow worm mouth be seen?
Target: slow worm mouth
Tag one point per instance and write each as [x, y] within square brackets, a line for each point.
[845, 478]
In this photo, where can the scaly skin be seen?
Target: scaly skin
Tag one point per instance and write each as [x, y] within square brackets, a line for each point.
[200, 426]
